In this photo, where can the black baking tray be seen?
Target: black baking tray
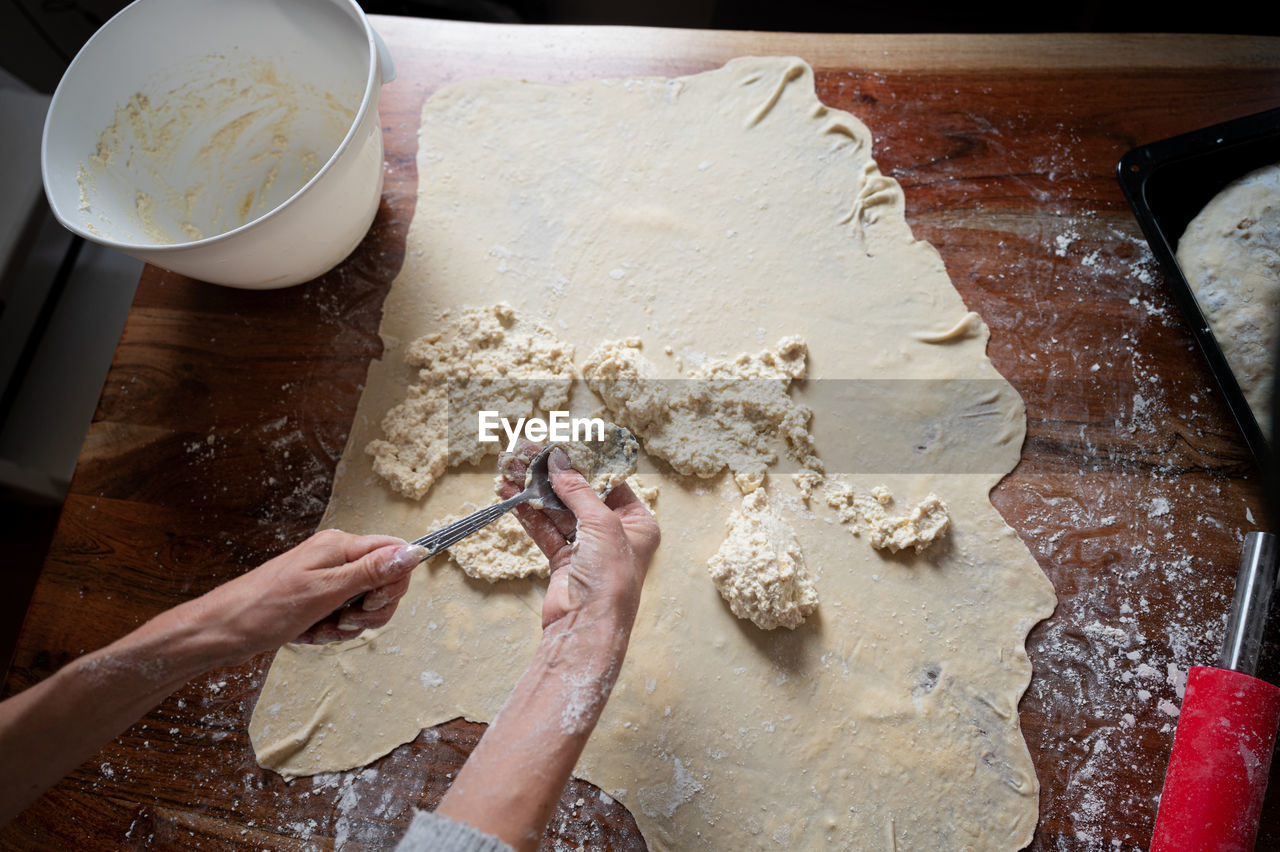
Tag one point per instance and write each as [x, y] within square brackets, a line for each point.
[1167, 183]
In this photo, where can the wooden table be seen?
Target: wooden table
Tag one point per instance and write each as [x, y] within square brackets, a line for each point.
[225, 412]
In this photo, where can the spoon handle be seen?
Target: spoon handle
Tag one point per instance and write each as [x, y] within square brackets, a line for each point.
[455, 532]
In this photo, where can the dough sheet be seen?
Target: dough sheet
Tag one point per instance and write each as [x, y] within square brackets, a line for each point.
[710, 216]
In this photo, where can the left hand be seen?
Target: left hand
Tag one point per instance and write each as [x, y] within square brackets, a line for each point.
[599, 550]
[299, 596]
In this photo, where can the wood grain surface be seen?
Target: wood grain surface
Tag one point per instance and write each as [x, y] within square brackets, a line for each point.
[225, 412]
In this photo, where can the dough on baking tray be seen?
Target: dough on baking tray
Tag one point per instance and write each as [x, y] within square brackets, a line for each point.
[710, 216]
[1230, 254]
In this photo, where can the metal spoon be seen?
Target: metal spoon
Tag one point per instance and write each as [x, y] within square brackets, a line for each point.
[539, 489]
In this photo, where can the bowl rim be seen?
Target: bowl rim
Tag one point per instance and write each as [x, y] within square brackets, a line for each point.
[372, 85]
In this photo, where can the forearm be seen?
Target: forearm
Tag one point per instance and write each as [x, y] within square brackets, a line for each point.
[53, 727]
[511, 783]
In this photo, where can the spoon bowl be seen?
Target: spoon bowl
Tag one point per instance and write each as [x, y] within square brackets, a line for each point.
[540, 481]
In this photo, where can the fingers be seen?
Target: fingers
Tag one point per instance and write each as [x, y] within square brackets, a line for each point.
[377, 568]
[572, 488]
[383, 595]
[331, 547]
[565, 523]
[554, 531]
[637, 521]
[513, 466]
[355, 619]
[325, 632]
[622, 497]
[381, 575]
[543, 530]
[350, 621]
[549, 529]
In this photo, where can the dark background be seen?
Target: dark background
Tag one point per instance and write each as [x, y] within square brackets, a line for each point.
[39, 37]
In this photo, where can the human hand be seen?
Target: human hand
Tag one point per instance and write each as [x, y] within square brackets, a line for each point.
[599, 550]
[599, 553]
[299, 596]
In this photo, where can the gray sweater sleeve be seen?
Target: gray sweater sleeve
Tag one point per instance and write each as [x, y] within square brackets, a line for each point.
[431, 833]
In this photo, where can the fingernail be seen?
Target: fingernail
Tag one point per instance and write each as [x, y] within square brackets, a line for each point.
[377, 604]
[347, 623]
[405, 558]
[559, 460]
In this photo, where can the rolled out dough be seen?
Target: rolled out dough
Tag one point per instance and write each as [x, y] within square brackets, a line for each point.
[710, 216]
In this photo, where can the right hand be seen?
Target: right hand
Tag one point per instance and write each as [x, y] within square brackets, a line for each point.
[599, 550]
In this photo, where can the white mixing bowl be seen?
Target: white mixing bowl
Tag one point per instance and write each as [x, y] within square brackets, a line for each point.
[234, 141]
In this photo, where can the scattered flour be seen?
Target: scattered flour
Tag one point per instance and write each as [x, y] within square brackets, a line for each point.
[1134, 589]
[663, 799]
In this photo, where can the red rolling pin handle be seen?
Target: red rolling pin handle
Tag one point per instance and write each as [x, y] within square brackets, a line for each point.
[1218, 770]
